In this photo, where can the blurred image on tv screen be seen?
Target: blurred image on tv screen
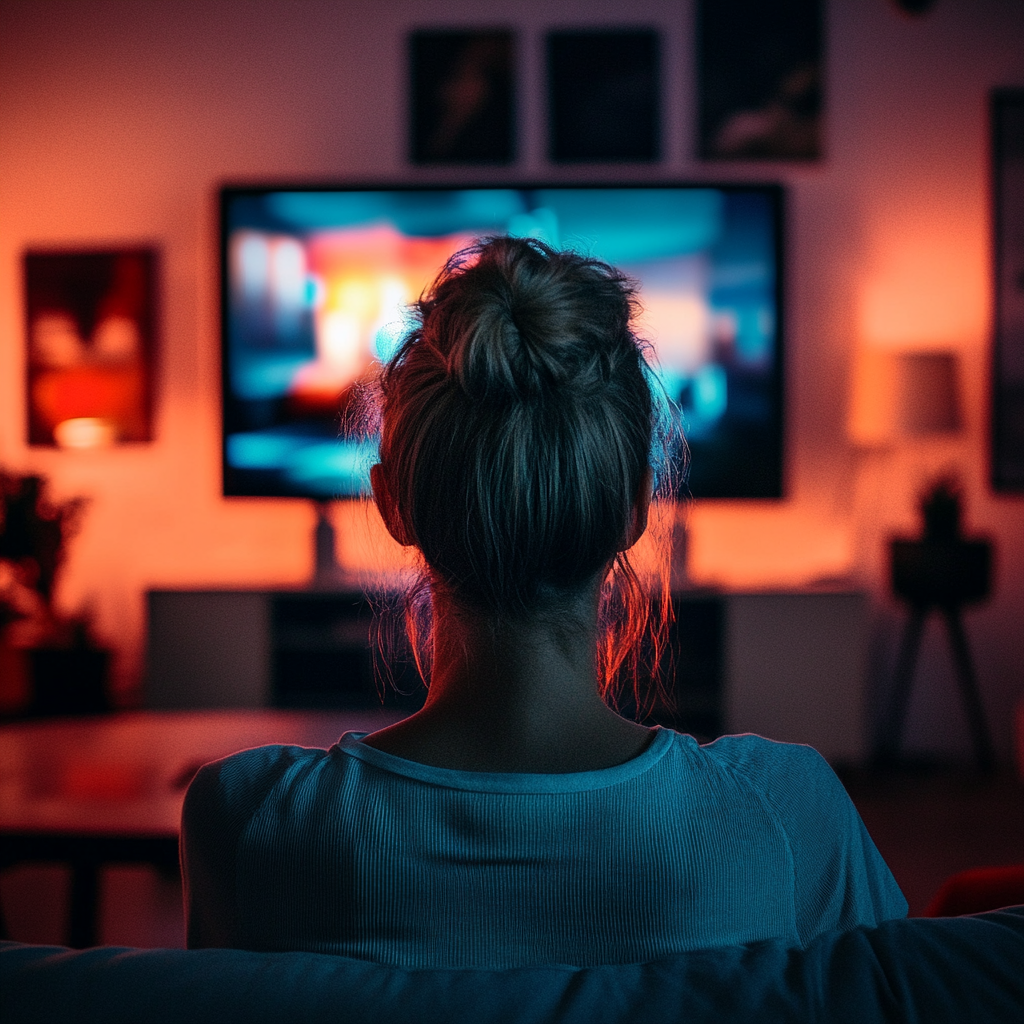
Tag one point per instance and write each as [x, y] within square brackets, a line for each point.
[317, 285]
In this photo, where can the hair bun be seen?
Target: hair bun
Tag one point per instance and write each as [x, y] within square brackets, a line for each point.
[533, 320]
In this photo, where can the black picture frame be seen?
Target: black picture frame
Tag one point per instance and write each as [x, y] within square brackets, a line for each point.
[760, 73]
[462, 97]
[604, 96]
[1007, 124]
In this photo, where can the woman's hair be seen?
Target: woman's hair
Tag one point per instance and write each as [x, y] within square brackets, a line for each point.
[517, 425]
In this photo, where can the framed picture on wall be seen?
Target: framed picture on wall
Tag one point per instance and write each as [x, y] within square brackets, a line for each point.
[604, 89]
[462, 97]
[760, 70]
[1008, 275]
[89, 327]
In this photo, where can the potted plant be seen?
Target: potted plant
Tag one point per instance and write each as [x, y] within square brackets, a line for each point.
[67, 670]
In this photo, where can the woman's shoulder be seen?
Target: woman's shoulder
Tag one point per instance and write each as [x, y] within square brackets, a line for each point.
[786, 775]
[241, 780]
[753, 753]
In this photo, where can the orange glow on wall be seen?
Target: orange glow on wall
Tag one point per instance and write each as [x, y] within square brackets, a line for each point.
[924, 291]
[755, 546]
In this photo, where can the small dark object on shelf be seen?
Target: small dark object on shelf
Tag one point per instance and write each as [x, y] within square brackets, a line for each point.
[941, 509]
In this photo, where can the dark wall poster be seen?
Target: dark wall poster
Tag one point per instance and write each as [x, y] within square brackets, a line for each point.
[462, 97]
[760, 72]
[1008, 232]
[604, 96]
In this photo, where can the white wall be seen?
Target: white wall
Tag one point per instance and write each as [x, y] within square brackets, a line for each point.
[118, 120]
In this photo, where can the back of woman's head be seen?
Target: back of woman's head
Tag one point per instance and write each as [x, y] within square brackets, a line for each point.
[517, 426]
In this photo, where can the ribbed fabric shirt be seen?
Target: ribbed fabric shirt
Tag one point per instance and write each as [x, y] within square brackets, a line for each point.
[358, 852]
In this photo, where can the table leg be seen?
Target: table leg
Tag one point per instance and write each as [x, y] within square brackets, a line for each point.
[85, 883]
[983, 751]
[892, 727]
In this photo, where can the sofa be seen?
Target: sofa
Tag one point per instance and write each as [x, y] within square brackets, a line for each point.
[957, 969]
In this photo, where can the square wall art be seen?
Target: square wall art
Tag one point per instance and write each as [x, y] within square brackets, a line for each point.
[760, 73]
[604, 96]
[462, 97]
[90, 334]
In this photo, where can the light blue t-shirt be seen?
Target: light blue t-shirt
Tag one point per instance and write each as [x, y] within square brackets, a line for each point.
[358, 852]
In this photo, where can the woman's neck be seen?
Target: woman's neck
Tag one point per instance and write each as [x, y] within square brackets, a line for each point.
[517, 696]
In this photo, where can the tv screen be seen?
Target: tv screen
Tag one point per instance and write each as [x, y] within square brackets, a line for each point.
[316, 284]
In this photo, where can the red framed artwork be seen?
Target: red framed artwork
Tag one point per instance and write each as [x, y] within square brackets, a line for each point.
[90, 327]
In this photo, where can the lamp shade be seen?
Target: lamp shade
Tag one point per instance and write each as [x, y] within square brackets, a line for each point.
[900, 395]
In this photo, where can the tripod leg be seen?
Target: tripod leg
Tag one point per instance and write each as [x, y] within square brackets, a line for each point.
[892, 728]
[983, 751]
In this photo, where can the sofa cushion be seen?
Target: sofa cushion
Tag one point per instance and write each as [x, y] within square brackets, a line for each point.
[934, 970]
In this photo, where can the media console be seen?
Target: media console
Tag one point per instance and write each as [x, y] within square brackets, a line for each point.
[790, 665]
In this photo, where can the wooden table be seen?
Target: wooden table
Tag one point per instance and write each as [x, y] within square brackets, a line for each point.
[91, 791]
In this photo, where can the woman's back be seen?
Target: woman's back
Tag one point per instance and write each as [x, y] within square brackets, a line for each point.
[516, 819]
[353, 851]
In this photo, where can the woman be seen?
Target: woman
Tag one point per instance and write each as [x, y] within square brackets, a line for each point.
[517, 819]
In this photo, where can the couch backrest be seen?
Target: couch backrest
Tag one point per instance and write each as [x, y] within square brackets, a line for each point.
[934, 970]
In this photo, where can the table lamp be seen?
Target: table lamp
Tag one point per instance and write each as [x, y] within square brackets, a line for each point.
[903, 397]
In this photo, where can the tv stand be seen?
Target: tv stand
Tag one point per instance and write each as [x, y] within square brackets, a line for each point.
[327, 572]
[788, 664]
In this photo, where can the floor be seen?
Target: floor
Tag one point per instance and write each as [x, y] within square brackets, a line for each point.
[928, 821]
[931, 821]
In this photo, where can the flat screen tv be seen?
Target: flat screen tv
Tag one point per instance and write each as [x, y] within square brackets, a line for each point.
[316, 282]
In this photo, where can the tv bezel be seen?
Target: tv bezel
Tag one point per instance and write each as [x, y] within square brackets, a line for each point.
[774, 190]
